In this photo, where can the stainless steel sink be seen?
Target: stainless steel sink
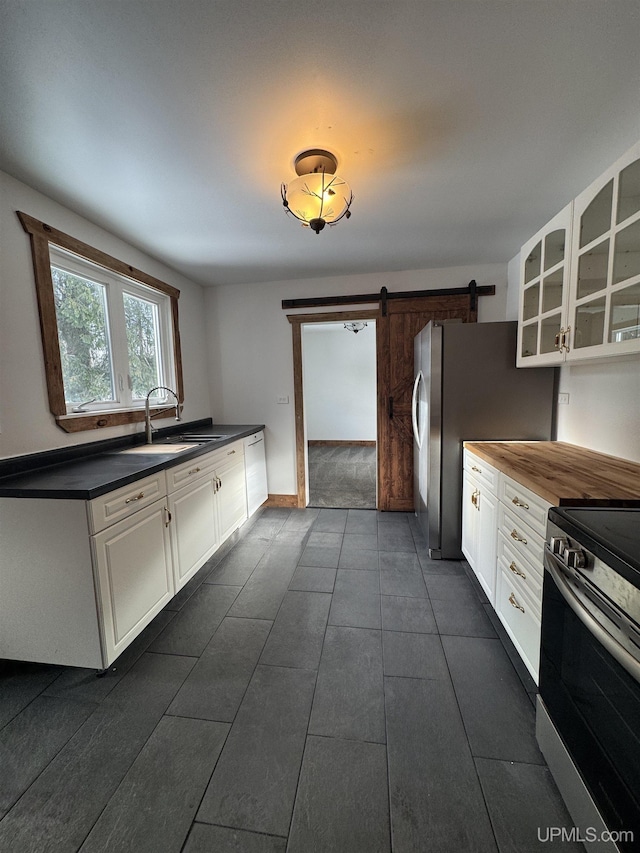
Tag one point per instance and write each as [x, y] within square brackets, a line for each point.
[198, 438]
[145, 449]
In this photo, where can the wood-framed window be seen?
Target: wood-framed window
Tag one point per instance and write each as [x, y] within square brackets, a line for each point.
[109, 332]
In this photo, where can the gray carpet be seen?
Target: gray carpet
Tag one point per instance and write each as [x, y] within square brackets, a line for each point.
[342, 477]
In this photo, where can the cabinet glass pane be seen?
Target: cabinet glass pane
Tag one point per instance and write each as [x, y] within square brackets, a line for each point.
[554, 248]
[629, 191]
[589, 324]
[552, 290]
[597, 217]
[531, 306]
[549, 330]
[626, 255]
[529, 340]
[625, 315]
[592, 270]
[532, 264]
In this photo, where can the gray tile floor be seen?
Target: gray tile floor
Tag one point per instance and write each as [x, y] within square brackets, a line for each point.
[342, 476]
[320, 685]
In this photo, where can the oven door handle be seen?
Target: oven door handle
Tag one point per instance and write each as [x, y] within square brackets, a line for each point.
[618, 652]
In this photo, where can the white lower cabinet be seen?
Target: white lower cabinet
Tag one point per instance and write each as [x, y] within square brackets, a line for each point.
[207, 510]
[194, 532]
[232, 492]
[503, 540]
[134, 571]
[479, 521]
[81, 580]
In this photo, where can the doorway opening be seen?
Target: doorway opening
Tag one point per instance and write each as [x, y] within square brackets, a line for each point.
[340, 413]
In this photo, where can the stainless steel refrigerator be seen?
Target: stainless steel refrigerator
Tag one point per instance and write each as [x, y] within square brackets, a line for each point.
[468, 388]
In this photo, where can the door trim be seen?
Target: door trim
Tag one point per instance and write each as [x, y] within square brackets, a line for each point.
[297, 320]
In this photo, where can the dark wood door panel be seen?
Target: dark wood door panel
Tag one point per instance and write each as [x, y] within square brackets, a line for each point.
[395, 337]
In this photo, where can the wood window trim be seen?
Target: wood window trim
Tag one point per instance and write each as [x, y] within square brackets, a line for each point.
[297, 321]
[41, 236]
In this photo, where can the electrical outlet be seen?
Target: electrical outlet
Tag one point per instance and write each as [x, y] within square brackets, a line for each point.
[563, 398]
[283, 399]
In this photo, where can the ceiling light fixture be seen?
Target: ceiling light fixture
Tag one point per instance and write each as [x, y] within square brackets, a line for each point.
[355, 327]
[317, 197]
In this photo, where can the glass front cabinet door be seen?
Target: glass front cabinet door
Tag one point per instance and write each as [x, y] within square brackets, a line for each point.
[604, 310]
[544, 286]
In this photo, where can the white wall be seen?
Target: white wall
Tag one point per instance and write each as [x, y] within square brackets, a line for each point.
[26, 424]
[251, 346]
[339, 379]
[603, 413]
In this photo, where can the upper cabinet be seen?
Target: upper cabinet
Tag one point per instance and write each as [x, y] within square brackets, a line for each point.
[544, 277]
[587, 303]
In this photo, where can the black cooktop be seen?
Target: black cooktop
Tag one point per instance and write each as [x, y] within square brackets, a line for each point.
[612, 535]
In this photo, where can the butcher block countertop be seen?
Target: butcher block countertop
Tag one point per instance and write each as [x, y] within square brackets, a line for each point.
[564, 474]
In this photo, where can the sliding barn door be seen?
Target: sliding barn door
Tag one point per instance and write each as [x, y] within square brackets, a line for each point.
[395, 332]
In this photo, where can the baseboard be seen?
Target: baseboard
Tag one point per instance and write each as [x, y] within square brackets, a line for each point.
[290, 501]
[316, 442]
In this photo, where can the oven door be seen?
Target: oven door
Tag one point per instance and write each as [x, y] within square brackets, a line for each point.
[590, 686]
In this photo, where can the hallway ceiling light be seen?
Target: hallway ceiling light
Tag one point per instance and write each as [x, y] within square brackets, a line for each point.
[355, 327]
[317, 197]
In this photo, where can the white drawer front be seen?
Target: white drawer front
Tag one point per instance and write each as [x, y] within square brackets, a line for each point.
[481, 470]
[123, 502]
[522, 574]
[520, 618]
[201, 466]
[523, 539]
[524, 504]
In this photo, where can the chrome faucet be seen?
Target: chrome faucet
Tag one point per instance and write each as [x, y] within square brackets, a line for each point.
[147, 410]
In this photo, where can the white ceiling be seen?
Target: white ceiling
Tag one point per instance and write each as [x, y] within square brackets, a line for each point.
[462, 127]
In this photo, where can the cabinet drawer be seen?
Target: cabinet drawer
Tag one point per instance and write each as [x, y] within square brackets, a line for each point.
[481, 471]
[196, 469]
[123, 502]
[201, 466]
[523, 539]
[524, 504]
[521, 620]
[520, 571]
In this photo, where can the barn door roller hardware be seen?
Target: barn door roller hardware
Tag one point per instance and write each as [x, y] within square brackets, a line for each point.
[472, 289]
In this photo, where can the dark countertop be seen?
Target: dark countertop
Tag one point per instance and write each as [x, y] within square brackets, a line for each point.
[86, 471]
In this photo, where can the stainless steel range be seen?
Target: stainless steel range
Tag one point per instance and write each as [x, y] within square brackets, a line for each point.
[588, 716]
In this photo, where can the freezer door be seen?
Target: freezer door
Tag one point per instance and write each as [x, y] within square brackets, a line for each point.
[433, 361]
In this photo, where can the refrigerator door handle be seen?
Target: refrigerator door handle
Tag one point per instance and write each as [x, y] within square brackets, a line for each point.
[414, 409]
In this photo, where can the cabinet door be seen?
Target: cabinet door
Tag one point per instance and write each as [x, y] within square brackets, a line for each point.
[232, 496]
[544, 286]
[487, 535]
[133, 564]
[470, 519]
[604, 311]
[194, 529]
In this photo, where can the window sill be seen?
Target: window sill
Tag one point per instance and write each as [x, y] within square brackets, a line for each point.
[77, 422]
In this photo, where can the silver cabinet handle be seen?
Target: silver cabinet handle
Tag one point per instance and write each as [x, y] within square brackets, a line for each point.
[136, 498]
[168, 517]
[519, 503]
[230, 452]
[515, 535]
[516, 570]
[475, 468]
[194, 471]
[513, 601]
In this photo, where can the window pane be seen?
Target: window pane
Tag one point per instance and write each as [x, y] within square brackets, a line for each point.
[597, 217]
[531, 306]
[81, 315]
[143, 342]
[589, 324]
[625, 315]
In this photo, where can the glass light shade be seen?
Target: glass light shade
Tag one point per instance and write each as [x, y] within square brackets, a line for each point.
[318, 198]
